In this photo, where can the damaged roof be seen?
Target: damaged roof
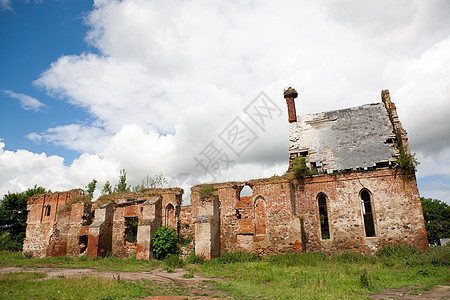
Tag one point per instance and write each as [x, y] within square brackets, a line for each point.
[352, 138]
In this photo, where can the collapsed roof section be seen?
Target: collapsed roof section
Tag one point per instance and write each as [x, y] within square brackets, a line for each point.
[355, 138]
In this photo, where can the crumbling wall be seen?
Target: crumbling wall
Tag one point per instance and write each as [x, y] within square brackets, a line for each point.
[41, 223]
[100, 231]
[151, 208]
[397, 211]
[282, 215]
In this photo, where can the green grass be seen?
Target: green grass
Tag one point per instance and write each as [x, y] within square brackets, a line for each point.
[345, 275]
[15, 259]
[20, 286]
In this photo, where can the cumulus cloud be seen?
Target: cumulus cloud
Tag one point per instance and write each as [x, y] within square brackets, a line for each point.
[422, 92]
[27, 102]
[168, 78]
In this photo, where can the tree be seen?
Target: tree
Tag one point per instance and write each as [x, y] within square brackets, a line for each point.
[107, 188]
[122, 186]
[91, 188]
[158, 181]
[437, 219]
[13, 218]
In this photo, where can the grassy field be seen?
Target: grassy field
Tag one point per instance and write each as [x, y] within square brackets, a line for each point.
[346, 275]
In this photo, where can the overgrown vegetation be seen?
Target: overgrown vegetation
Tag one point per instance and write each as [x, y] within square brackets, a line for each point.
[157, 181]
[22, 286]
[206, 191]
[90, 188]
[164, 242]
[122, 186]
[13, 218]
[345, 275]
[406, 161]
[437, 219]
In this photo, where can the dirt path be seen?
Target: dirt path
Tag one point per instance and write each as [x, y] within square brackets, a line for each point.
[202, 288]
[197, 287]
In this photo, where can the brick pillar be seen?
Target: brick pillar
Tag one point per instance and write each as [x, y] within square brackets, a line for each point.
[290, 94]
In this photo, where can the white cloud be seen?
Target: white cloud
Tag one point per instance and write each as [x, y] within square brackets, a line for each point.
[74, 137]
[421, 89]
[27, 102]
[170, 76]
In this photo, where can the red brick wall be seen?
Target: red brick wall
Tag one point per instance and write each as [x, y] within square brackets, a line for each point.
[395, 201]
[40, 227]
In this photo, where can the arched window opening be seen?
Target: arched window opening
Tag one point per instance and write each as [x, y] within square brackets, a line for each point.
[47, 210]
[260, 216]
[367, 213]
[246, 191]
[169, 218]
[323, 215]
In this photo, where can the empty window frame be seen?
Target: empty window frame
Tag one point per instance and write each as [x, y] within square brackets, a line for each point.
[82, 243]
[131, 228]
[47, 210]
[367, 213]
[323, 216]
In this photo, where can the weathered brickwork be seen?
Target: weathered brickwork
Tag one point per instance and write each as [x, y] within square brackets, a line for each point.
[360, 200]
[41, 223]
[121, 224]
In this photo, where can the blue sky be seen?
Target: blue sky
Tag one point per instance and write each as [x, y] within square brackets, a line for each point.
[88, 88]
[34, 35]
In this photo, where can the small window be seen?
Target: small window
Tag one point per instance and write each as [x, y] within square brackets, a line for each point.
[367, 213]
[131, 228]
[47, 210]
[323, 217]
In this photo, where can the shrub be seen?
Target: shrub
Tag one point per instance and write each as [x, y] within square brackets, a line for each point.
[405, 161]
[206, 191]
[164, 242]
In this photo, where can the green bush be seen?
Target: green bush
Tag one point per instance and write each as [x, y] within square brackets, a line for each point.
[164, 242]
[405, 161]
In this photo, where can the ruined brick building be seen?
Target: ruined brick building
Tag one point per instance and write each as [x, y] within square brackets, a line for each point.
[354, 197]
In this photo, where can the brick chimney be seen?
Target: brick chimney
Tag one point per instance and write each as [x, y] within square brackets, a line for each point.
[290, 94]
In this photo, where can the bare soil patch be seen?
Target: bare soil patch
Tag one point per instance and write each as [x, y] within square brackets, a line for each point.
[412, 293]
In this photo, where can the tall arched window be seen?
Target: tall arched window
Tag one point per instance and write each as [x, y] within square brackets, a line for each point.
[47, 210]
[169, 217]
[367, 213]
[323, 215]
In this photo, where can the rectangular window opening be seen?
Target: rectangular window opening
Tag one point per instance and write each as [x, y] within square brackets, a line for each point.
[131, 227]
